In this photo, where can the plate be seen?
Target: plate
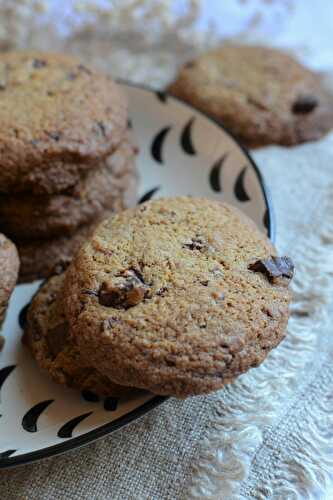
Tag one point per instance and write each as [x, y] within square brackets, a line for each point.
[182, 151]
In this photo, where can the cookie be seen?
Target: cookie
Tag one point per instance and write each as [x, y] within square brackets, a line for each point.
[9, 265]
[262, 95]
[47, 336]
[110, 187]
[177, 296]
[58, 118]
[41, 259]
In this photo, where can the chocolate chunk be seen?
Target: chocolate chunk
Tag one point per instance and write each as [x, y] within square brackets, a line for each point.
[204, 282]
[54, 135]
[197, 243]
[305, 104]
[189, 65]
[102, 128]
[57, 338]
[84, 69]
[274, 268]
[2, 342]
[3, 76]
[123, 292]
[38, 63]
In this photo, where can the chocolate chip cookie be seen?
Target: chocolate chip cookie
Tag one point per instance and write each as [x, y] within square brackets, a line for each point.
[42, 258]
[177, 296]
[262, 95]
[9, 265]
[47, 336]
[58, 119]
[112, 186]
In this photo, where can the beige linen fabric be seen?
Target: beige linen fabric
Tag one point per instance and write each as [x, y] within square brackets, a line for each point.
[266, 435]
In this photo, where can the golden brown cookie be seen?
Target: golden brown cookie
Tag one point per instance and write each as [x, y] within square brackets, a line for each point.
[47, 336]
[261, 95]
[41, 259]
[9, 265]
[112, 186]
[58, 118]
[177, 296]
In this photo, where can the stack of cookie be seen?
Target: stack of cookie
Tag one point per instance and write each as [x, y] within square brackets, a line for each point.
[66, 158]
[175, 296]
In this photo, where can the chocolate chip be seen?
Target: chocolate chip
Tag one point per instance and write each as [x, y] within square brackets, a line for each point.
[2, 342]
[102, 128]
[197, 243]
[54, 135]
[274, 268]
[84, 69]
[122, 292]
[305, 104]
[189, 65]
[161, 291]
[204, 282]
[39, 63]
[57, 338]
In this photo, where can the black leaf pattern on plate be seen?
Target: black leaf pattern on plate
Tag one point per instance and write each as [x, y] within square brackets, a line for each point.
[148, 195]
[186, 138]
[7, 453]
[161, 96]
[22, 319]
[5, 372]
[157, 144]
[110, 404]
[29, 421]
[66, 431]
[239, 188]
[215, 174]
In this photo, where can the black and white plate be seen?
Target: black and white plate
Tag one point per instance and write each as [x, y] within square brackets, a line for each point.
[181, 152]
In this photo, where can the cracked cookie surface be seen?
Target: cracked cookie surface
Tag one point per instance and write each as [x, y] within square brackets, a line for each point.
[163, 297]
[260, 94]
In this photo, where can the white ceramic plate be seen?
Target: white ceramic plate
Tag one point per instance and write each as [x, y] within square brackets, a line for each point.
[181, 152]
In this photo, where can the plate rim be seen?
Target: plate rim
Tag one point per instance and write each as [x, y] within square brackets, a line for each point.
[139, 412]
